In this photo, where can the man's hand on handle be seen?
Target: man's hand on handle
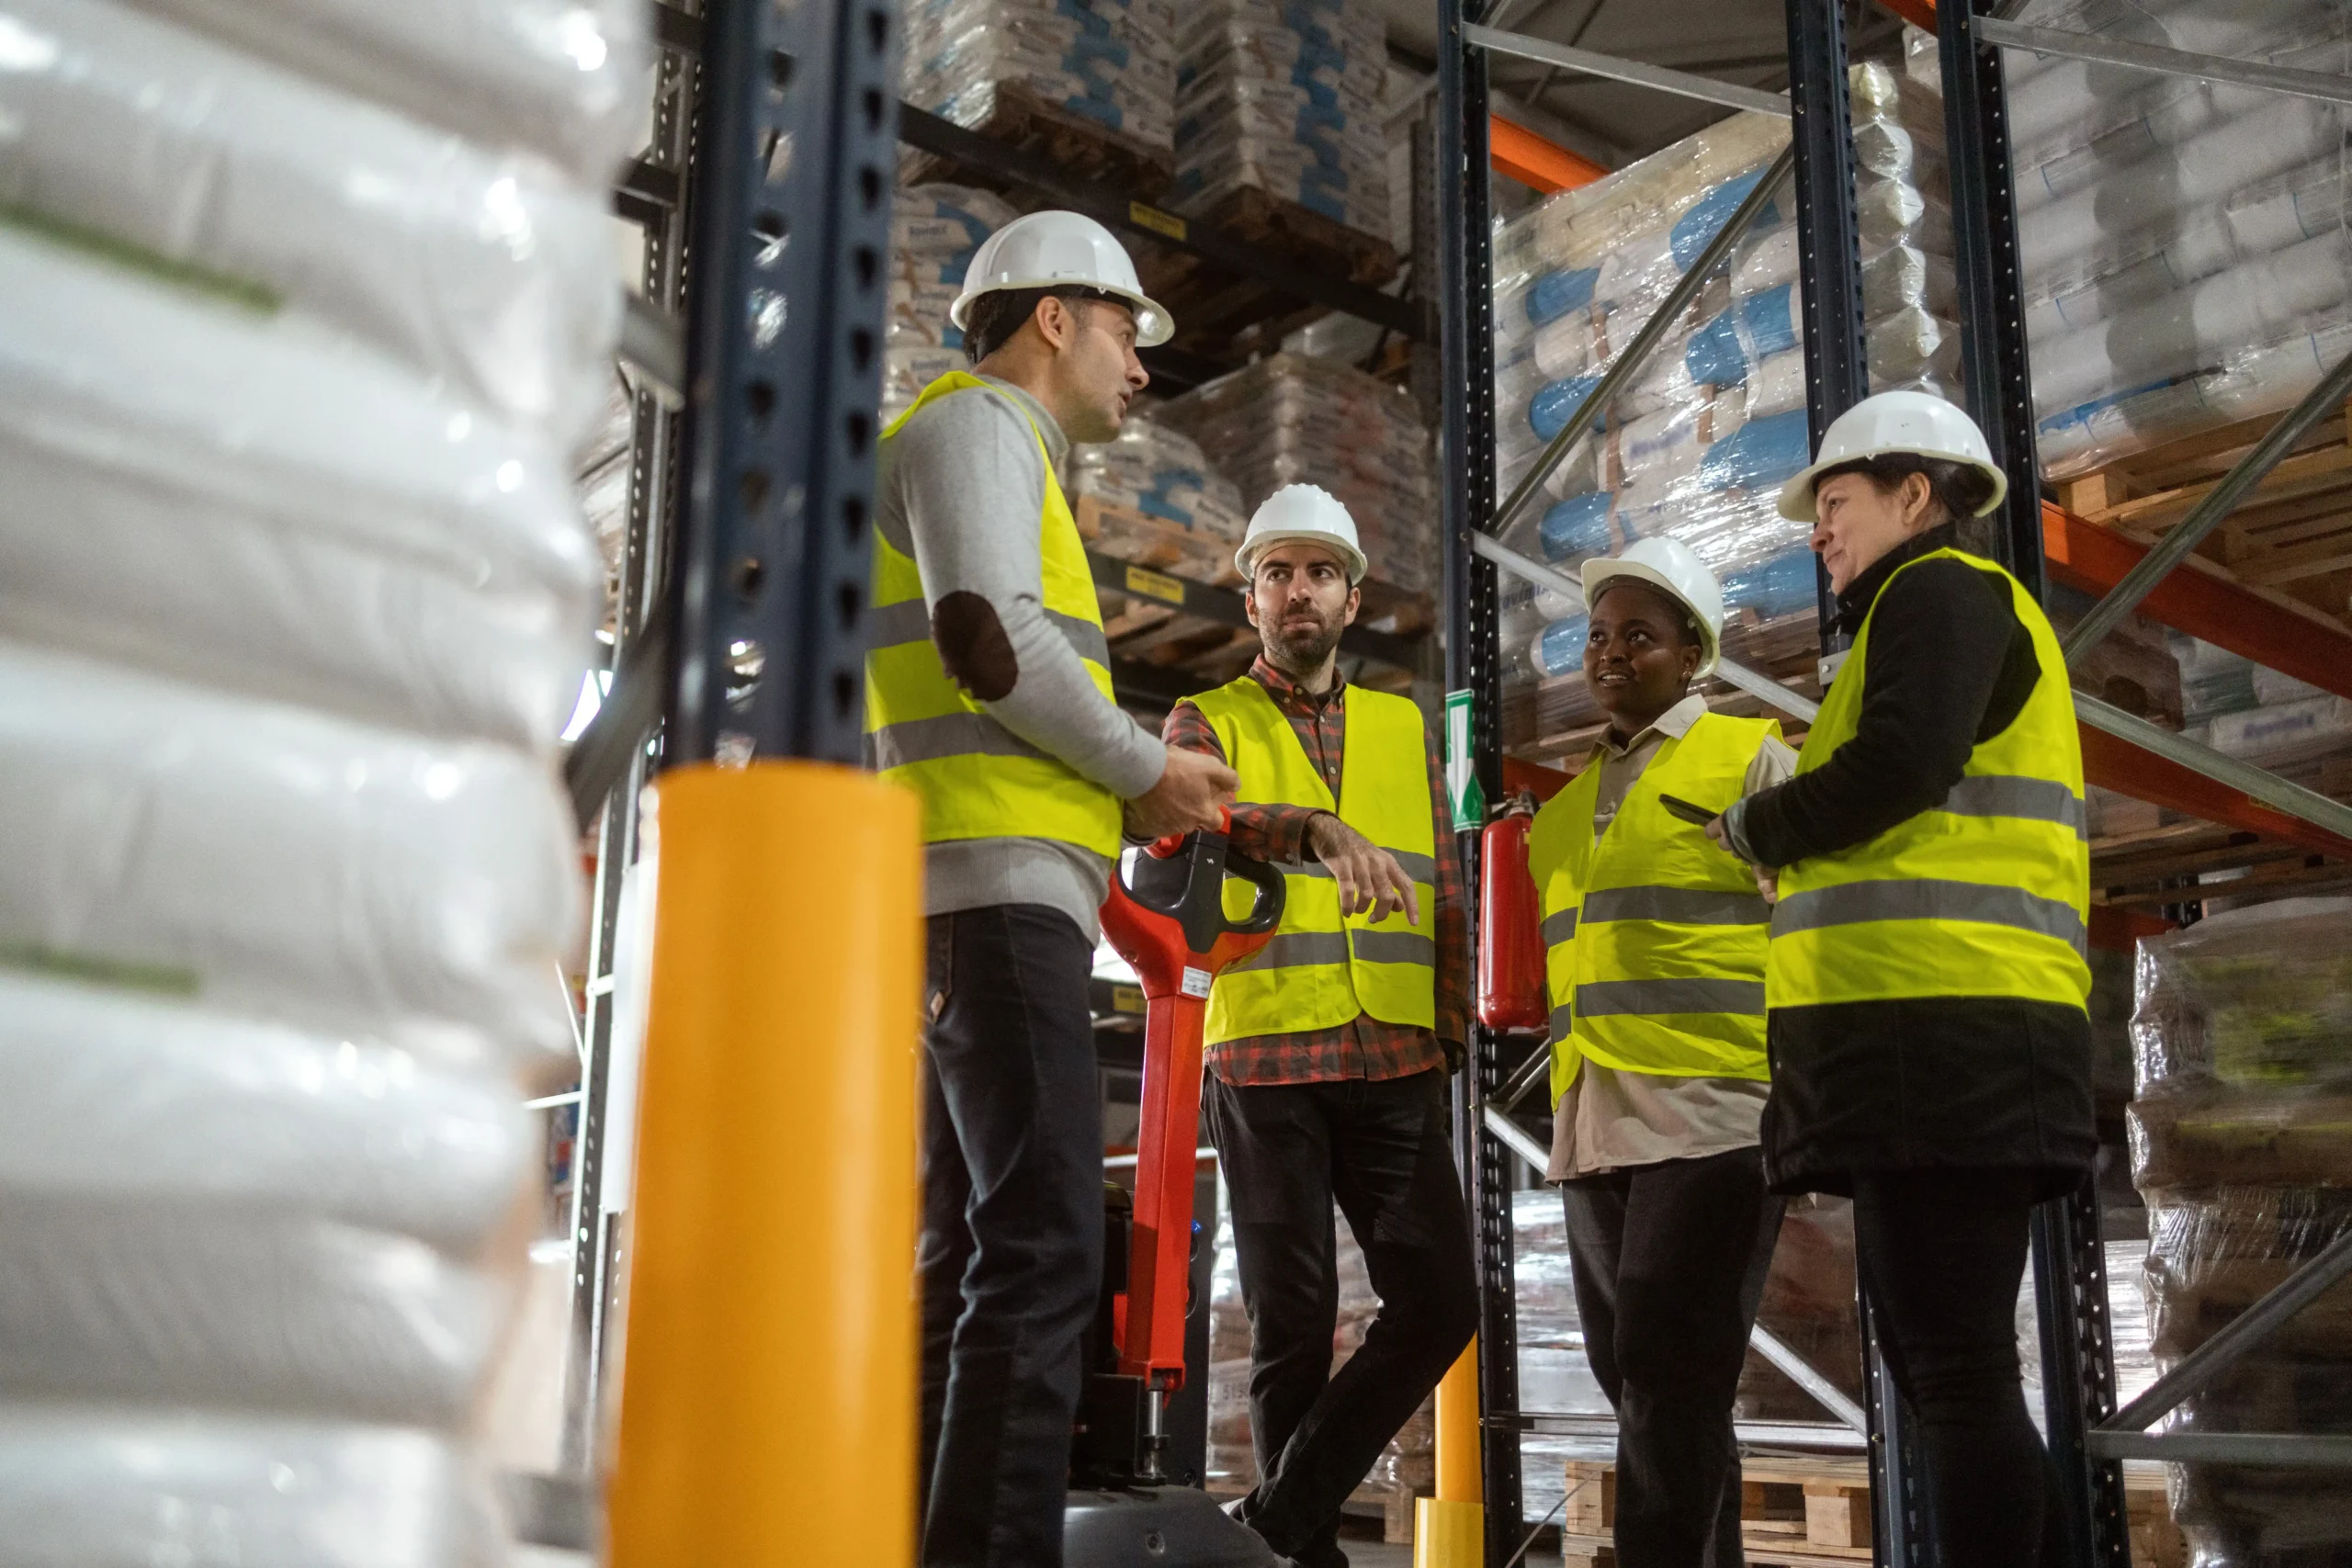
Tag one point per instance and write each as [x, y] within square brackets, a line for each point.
[1369, 878]
[1192, 791]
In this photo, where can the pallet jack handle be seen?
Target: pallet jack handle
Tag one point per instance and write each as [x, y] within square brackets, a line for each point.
[1166, 915]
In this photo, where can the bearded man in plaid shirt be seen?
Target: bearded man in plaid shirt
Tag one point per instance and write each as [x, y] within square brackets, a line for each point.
[1329, 1049]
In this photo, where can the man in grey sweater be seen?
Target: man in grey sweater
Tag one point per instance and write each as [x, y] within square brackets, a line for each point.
[989, 693]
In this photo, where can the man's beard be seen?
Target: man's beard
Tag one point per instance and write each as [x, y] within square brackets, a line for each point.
[1300, 650]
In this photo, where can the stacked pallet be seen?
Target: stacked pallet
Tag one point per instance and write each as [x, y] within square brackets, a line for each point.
[934, 232]
[2240, 1146]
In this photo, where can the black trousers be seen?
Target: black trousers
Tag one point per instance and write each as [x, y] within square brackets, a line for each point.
[1010, 1257]
[1942, 1252]
[1380, 1151]
[1670, 1262]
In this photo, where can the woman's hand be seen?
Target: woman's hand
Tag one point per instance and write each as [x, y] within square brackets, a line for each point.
[1768, 882]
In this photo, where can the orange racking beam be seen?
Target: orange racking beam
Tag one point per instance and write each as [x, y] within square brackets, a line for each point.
[1536, 161]
[2117, 764]
[1919, 13]
[2204, 605]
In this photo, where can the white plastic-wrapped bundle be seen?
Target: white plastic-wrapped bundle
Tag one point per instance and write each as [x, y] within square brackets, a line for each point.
[244, 499]
[1290, 419]
[1107, 67]
[488, 268]
[279, 862]
[565, 78]
[88, 1485]
[2184, 242]
[934, 230]
[1286, 95]
[1163, 503]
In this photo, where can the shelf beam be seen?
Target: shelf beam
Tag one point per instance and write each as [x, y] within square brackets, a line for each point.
[2113, 762]
[1534, 161]
[1225, 607]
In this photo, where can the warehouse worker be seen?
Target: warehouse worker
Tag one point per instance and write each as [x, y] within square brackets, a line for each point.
[1654, 940]
[1930, 1048]
[1329, 1050]
[988, 693]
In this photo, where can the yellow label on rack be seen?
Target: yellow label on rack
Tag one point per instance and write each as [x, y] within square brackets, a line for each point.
[1143, 215]
[1127, 998]
[1155, 585]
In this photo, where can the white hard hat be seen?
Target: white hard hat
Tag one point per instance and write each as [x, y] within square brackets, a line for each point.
[1059, 250]
[1674, 570]
[1302, 512]
[1919, 424]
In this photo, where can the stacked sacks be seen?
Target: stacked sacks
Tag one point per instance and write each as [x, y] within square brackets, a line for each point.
[2184, 242]
[1286, 95]
[1103, 70]
[2241, 1141]
[934, 230]
[1160, 502]
[300, 598]
[1290, 419]
[1697, 447]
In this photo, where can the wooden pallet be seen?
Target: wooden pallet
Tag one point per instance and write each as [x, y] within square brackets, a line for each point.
[1230, 318]
[2290, 540]
[1077, 145]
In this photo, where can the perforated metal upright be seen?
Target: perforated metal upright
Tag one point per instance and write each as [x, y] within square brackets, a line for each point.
[1468, 498]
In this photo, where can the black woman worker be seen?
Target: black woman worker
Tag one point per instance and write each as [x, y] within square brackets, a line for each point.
[1654, 942]
[1927, 984]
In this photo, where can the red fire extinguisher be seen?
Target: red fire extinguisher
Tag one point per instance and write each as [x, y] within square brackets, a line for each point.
[1510, 925]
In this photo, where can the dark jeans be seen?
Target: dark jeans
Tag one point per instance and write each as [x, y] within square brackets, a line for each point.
[1670, 1262]
[1010, 1258]
[1380, 1151]
[1941, 1252]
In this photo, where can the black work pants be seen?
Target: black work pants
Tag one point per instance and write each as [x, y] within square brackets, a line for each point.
[1942, 1253]
[1011, 1259]
[1670, 1262]
[1380, 1150]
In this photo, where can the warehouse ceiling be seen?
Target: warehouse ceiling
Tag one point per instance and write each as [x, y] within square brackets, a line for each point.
[1741, 41]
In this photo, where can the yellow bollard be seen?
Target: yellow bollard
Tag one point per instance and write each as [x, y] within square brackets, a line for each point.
[1450, 1529]
[769, 1402]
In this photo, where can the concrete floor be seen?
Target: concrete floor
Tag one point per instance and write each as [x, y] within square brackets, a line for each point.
[1360, 1554]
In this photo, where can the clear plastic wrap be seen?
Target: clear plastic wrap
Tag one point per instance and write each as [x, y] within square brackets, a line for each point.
[244, 501]
[488, 268]
[1160, 501]
[1287, 98]
[2184, 242]
[272, 860]
[934, 230]
[565, 78]
[1290, 419]
[2241, 1140]
[126, 1486]
[1696, 448]
[1105, 67]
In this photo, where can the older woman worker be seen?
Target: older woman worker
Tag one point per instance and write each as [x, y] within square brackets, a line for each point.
[1926, 984]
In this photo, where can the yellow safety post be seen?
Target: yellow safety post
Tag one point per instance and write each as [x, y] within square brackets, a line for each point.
[769, 1402]
[1450, 1529]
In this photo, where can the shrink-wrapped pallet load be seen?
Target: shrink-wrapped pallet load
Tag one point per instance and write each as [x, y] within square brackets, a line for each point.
[934, 230]
[2186, 255]
[1285, 98]
[1697, 447]
[312, 304]
[1153, 497]
[1291, 420]
[2241, 1138]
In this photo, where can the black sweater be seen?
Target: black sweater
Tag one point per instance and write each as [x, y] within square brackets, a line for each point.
[1989, 1081]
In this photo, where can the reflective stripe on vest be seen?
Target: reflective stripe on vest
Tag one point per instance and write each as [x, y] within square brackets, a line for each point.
[1987, 895]
[977, 778]
[1654, 937]
[1323, 968]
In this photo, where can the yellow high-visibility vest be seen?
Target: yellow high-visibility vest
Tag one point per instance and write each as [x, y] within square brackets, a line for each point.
[1323, 968]
[1654, 937]
[1987, 895]
[977, 778]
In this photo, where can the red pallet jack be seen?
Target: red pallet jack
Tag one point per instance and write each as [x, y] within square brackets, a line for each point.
[1166, 915]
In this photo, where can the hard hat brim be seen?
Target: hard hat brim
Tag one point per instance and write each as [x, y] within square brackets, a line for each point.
[1796, 496]
[1599, 572]
[1154, 325]
[1245, 559]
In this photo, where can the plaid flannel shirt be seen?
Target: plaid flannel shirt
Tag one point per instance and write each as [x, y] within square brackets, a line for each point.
[1364, 1047]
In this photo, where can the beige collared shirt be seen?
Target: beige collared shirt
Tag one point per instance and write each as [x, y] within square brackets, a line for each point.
[1611, 1119]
